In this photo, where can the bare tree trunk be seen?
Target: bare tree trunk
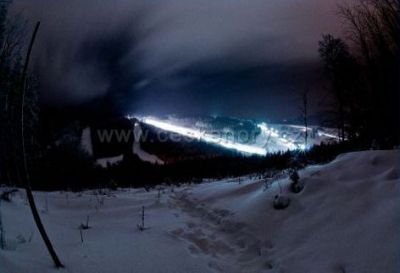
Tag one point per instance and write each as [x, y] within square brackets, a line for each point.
[25, 176]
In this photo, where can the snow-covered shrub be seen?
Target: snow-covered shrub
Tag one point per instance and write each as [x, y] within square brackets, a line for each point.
[267, 184]
[281, 201]
[294, 176]
[295, 186]
[7, 194]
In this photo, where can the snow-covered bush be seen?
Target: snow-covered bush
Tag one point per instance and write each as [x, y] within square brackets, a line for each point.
[281, 202]
[267, 184]
[294, 176]
[295, 186]
[7, 194]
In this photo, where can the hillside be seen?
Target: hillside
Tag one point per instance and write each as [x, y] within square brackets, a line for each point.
[346, 219]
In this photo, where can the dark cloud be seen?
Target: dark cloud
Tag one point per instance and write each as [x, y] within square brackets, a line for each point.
[173, 56]
[258, 91]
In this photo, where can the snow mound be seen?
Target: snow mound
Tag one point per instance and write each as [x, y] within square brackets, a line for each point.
[346, 219]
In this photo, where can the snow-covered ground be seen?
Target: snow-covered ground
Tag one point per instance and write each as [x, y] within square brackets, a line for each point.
[347, 219]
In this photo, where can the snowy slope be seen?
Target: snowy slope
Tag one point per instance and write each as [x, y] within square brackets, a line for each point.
[347, 219]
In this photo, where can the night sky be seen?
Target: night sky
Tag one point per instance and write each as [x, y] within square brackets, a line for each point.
[227, 57]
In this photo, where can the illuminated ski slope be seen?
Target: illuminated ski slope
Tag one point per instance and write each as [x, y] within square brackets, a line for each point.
[197, 134]
[268, 142]
[280, 142]
[271, 138]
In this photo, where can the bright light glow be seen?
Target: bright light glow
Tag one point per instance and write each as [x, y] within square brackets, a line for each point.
[197, 134]
[327, 135]
[289, 145]
[268, 131]
[302, 128]
[302, 147]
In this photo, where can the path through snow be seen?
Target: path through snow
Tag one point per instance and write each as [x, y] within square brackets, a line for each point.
[230, 245]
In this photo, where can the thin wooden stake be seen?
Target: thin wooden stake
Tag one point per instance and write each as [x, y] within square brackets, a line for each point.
[143, 217]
